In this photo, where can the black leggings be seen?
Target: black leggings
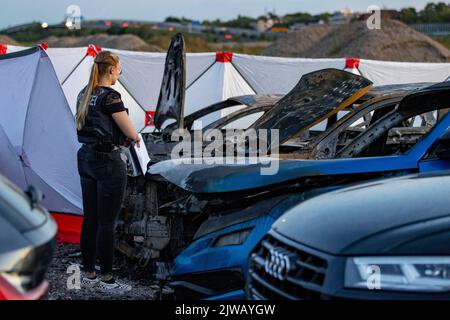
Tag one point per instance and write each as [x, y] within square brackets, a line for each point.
[103, 182]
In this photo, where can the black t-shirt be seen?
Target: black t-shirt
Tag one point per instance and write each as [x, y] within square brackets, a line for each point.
[109, 101]
[112, 101]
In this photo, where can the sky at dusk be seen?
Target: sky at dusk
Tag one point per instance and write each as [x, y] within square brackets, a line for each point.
[13, 12]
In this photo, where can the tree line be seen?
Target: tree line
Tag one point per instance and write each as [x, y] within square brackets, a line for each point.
[432, 13]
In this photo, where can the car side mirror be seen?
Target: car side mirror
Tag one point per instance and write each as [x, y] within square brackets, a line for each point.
[443, 148]
[35, 195]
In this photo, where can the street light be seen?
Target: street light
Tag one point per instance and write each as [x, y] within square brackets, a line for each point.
[44, 25]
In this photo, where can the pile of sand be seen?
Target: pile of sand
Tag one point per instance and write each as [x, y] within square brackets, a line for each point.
[7, 40]
[122, 42]
[395, 41]
[294, 44]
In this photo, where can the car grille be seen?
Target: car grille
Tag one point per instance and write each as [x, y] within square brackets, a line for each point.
[278, 271]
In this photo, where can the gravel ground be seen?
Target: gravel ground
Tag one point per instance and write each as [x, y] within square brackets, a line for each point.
[57, 276]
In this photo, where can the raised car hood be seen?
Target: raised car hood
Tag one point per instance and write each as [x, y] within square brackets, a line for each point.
[317, 96]
[215, 178]
[390, 216]
[171, 97]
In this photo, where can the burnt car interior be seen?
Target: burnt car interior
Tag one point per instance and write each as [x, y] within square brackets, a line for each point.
[401, 128]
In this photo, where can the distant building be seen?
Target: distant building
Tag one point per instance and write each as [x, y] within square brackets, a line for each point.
[385, 14]
[195, 26]
[433, 29]
[300, 25]
[341, 17]
[264, 24]
[279, 29]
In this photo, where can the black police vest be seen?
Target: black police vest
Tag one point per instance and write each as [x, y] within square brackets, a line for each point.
[99, 126]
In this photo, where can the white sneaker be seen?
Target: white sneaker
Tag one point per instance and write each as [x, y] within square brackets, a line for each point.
[115, 287]
[89, 283]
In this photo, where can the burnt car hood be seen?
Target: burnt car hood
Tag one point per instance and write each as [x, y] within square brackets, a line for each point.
[218, 178]
[317, 96]
[171, 96]
[403, 216]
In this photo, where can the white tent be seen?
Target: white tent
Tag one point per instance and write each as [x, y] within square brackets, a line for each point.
[212, 77]
[36, 148]
[387, 72]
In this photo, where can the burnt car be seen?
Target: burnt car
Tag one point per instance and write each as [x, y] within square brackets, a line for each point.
[324, 112]
[27, 241]
[234, 204]
[147, 230]
[385, 239]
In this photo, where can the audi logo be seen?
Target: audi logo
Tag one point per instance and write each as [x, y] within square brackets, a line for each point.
[279, 263]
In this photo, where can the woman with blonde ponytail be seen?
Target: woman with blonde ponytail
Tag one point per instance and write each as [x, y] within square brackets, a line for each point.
[104, 129]
[83, 107]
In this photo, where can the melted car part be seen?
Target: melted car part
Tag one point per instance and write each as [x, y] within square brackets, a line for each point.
[171, 97]
[250, 101]
[254, 103]
[317, 96]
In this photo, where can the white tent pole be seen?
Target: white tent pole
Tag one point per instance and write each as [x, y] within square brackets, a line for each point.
[135, 100]
[73, 70]
[362, 75]
[131, 95]
[242, 76]
[201, 74]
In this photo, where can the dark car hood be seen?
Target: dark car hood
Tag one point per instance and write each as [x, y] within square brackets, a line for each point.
[407, 215]
[215, 178]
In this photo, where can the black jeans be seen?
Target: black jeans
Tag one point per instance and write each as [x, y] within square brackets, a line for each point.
[103, 182]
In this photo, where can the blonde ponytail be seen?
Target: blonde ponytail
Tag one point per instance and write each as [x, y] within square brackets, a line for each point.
[83, 108]
[103, 61]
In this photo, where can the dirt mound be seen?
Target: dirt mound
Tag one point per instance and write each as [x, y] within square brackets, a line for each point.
[395, 41]
[122, 42]
[7, 40]
[296, 43]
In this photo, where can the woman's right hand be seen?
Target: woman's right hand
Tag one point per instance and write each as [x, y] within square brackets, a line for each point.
[138, 140]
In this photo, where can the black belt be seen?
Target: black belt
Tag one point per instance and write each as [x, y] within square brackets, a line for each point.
[101, 147]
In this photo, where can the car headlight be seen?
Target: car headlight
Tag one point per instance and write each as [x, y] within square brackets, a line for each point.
[233, 238]
[415, 274]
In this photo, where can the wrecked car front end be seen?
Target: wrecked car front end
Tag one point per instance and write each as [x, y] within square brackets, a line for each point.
[221, 251]
[155, 225]
[209, 214]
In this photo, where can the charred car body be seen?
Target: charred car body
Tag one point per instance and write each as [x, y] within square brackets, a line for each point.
[177, 203]
[223, 242]
[146, 229]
